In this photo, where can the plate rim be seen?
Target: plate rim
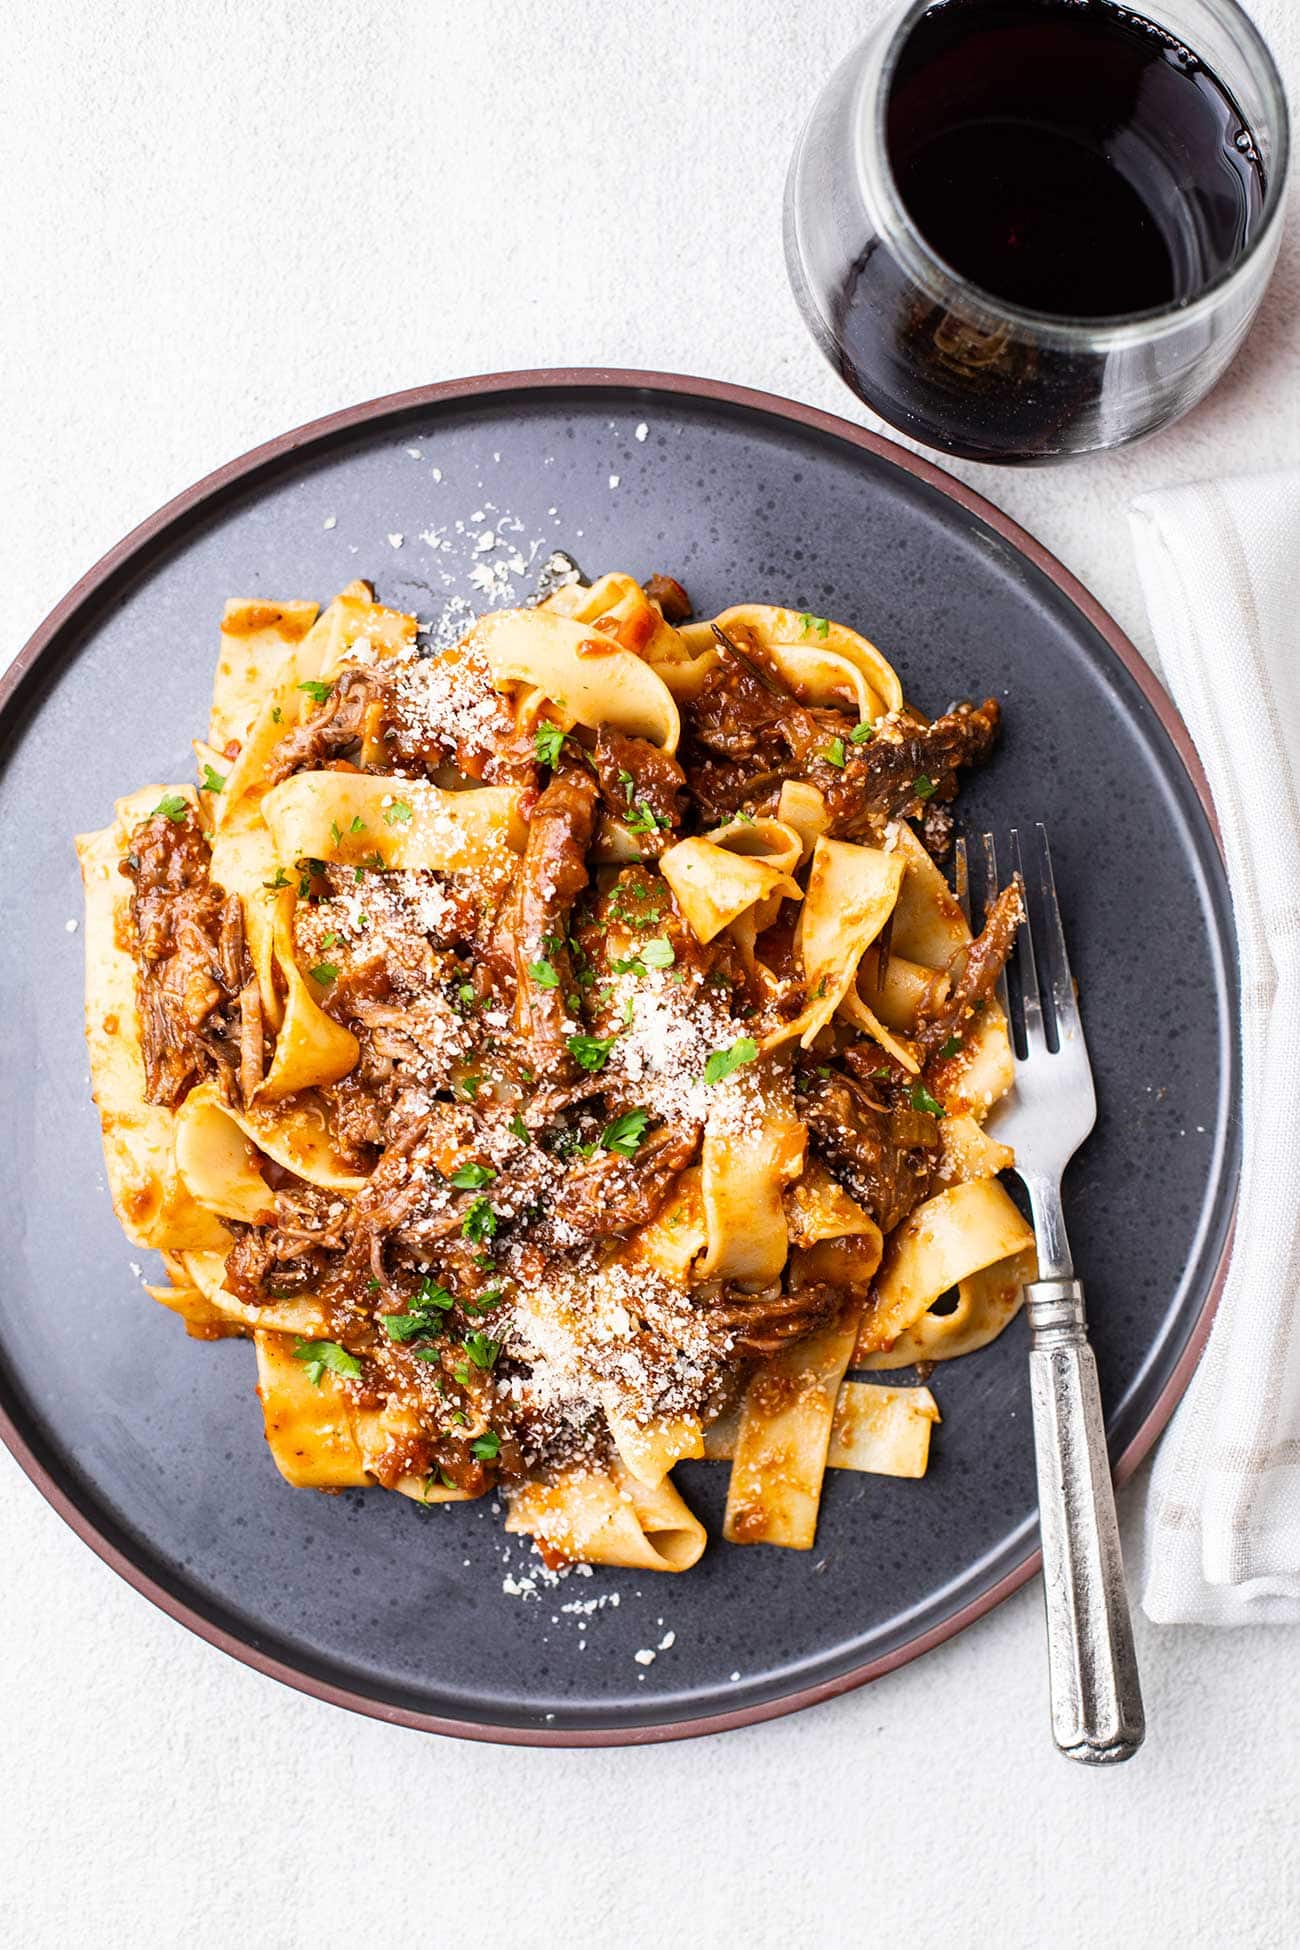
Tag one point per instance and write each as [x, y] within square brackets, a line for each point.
[773, 406]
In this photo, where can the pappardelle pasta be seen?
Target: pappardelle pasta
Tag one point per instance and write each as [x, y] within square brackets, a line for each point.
[562, 1055]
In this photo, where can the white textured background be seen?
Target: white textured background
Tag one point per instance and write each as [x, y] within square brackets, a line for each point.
[217, 221]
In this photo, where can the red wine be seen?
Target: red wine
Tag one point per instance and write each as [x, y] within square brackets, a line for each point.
[1068, 156]
[1028, 173]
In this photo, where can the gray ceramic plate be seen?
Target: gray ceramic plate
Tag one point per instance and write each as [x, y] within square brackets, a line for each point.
[151, 1444]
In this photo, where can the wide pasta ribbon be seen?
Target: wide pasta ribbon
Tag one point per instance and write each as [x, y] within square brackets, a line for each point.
[588, 676]
[153, 1204]
[361, 818]
[609, 1518]
[943, 1241]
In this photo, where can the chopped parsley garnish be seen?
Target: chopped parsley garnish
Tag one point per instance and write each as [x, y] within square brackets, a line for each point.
[317, 1356]
[400, 813]
[642, 818]
[277, 715]
[471, 1086]
[315, 689]
[861, 732]
[324, 972]
[518, 1128]
[281, 880]
[543, 973]
[423, 1315]
[817, 624]
[724, 1061]
[920, 1099]
[834, 753]
[328, 940]
[625, 1133]
[212, 781]
[479, 1223]
[924, 788]
[486, 1447]
[336, 832]
[472, 1177]
[172, 806]
[406, 1327]
[591, 1053]
[658, 953]
[548, 741]
[481, 1349]
[430, 1294]
[951, 1047]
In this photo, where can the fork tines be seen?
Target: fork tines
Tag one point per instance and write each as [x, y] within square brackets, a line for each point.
[1047, 1015]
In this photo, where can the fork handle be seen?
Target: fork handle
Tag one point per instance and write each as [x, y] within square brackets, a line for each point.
[1096, 1698]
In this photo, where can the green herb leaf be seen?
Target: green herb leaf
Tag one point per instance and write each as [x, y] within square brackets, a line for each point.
[518, 1128]
[658, 954]
[277, 715]
[486, 1447]
[172, 806]
[724, 1061]
[920, 1099]
[861, 732]
[315, 690]
[924, 788]
[482, 1350]
[472, 1178]
[281, 880]
[642, 818]
[951, 1047]
[479, 1223]
[543, 973]
[336, 832]
[400, 813]
[834, 753]
[817, 624]
[317, 1356]
[328, 940]
[430, 1294]
[324, 972]
[625, 1133]
[212, 781]
[405, 1327]
[591, 1052]
[548, 741]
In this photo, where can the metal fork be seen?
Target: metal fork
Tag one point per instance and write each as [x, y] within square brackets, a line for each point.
[1096, 1698]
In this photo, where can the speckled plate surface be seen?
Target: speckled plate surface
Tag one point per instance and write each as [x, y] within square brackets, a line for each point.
[151, 1444]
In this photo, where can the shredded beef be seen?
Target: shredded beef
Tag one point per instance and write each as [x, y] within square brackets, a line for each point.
[607, 1195]
[667, 592]
[335, 729]
[746, 734]
[535, 926]
[943, 1015]
[640, 783]
[763, 1323]
[191, 963]
[885, 1158]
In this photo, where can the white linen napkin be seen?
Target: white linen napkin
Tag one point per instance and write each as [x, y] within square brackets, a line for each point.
[1220, 568]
